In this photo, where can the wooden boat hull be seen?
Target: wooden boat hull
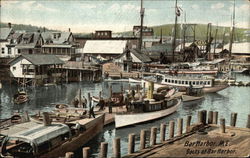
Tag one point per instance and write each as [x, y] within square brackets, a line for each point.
[122, 120]
[188, 98]
[21, 100]
[215, 88]
[93, 128]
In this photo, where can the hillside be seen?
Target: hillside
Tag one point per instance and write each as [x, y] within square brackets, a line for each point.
[27, 28]
[201, 31]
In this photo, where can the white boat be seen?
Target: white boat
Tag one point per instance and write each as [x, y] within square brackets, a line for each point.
[210, 85]
[155, 112]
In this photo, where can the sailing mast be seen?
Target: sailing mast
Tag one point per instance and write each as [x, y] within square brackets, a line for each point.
[141, 30]
[177, 13]
[232, 33]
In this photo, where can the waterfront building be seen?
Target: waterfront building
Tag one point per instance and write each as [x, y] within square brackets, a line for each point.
[58, 43]
[35, 69]
[31, 43]
[5, 33]
[107, 49]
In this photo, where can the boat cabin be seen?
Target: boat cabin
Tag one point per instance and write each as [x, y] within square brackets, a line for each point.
[184, 81]
[150, 106]
[35, 141]
[194, 91]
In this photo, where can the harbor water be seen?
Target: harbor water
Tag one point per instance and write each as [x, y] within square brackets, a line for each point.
[232, 99]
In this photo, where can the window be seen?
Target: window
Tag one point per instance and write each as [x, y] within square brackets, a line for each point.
[9, 50]
[208, 82]
[175, 81]
[186, 82]
[205, 82]
[182, 82]
[18, 51]
[197, 82]
[13, 68]
[2, 50]
[193, 82]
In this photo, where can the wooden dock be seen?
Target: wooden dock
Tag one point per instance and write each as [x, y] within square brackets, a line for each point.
[208, 143]
[202, 139]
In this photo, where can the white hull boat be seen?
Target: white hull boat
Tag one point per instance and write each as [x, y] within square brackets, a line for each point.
[122, 120]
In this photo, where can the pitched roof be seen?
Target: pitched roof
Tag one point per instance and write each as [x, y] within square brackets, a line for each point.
[64, 36]
[141, 56]
[104, 46]
[40, 59]
[239, 48]
[31, 43]
[4, 33]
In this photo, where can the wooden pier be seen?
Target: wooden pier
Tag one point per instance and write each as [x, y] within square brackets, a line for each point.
[205, 138]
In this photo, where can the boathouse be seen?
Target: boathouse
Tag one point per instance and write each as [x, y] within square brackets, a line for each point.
[36, 69]
[131, 60]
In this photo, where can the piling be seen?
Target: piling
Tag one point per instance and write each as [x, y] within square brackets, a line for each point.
[171, 129]
[204, 117]
[188, 123]
[210, 117]
[103, 150]
[46, 119]
[26, 116]
[69, 155]
[199, 117]
[163, 132]
[86, 152]
[215, 117]
[180, 126]
[233, 119]
[131, 143]
[100, 94]
[223, 125]
[117, 147]
[153, 136]
[142, 139]
[248, 121]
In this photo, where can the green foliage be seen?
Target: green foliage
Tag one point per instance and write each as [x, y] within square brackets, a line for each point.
[201, 31]
[27, 28]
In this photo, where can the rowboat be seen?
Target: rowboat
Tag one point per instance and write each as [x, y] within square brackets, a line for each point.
[146, 111]
[21, 97]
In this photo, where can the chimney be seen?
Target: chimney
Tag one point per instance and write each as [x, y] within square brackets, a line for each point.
[44, 29]
[69, 30]
[9, 25]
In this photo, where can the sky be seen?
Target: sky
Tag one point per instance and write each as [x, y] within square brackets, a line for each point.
[120, 15]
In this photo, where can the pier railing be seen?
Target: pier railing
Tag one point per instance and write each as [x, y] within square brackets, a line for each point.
[205, 120]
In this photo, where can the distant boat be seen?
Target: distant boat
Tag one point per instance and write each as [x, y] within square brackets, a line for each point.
[20, 97]
[210, 84]
[146, 112]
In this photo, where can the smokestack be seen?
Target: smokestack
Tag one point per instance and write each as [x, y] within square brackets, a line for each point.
[69, 30]
[9, 25]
